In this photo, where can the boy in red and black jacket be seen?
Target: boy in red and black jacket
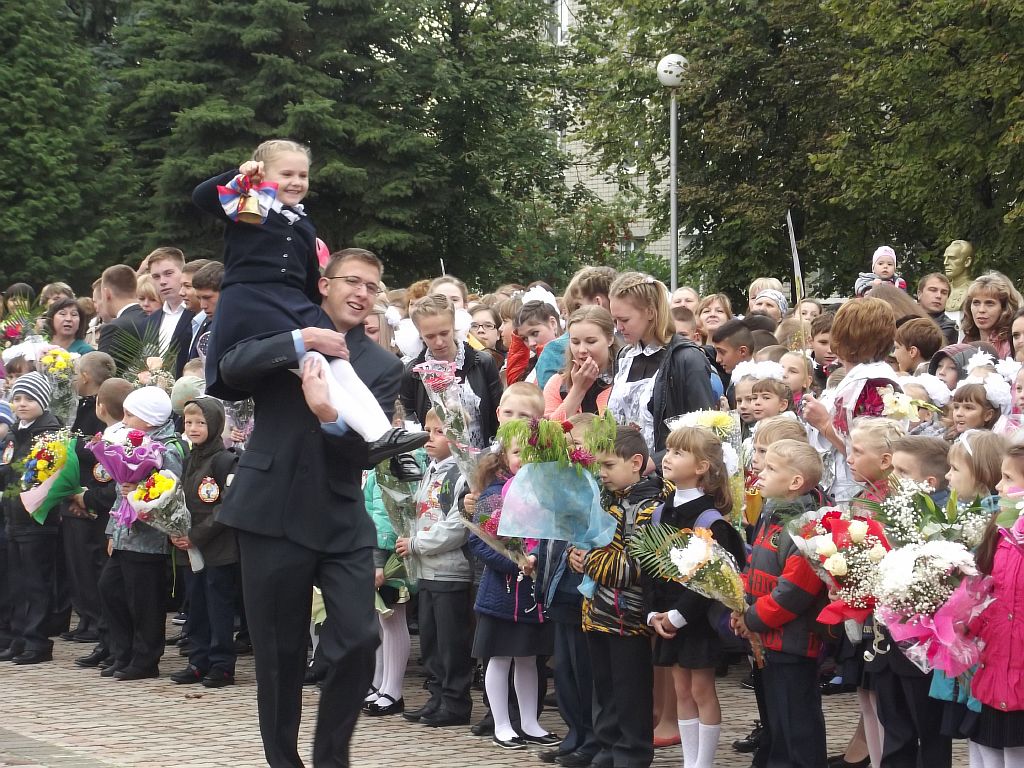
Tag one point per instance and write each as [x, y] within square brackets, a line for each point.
[785, 596]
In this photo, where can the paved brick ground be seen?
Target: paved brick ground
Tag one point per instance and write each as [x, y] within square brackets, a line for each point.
[59, 716]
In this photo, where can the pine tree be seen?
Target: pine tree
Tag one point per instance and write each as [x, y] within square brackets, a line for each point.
[63, 178]
[213, 79]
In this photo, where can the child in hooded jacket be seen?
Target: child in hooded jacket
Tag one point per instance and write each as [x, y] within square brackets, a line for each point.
[214, 595]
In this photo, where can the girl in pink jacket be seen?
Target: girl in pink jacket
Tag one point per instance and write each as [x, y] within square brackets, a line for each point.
[998, 741]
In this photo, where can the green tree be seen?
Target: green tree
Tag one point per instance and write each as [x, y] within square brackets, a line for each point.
[934, 131]
[210, 80]
[494, 77]
[63, 177]
[755, 105]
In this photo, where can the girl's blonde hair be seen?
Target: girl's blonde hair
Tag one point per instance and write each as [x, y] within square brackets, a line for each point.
[804, 361]
[995, 284]
[794, 333]
[878, 433]
[600, 317]
[702, 444]
[432, 305]
[644, 292]
[387, 336]
[982, 453]
[985, 554]
[268, 150]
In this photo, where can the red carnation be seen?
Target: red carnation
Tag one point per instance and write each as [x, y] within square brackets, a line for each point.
[567, 426]
[136, 436]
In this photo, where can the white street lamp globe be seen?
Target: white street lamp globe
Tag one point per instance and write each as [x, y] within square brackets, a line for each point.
[671, 70]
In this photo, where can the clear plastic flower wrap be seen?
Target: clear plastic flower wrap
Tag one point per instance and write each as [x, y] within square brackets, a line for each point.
[159, 501]
[447, 397]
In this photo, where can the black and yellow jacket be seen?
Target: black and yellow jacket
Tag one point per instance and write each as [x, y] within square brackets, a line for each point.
[617, 606]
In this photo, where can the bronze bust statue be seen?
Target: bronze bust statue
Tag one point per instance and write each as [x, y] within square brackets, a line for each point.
[957, 260]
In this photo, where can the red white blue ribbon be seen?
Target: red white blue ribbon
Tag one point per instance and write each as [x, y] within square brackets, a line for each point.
[235, 191]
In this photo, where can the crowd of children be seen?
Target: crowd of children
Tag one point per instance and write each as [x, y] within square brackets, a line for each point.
[813, 392]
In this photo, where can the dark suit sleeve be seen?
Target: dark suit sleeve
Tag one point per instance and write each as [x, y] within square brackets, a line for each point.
[386, 387]
[252, 360]
[206, 198]
[409, 386]
[105, 342]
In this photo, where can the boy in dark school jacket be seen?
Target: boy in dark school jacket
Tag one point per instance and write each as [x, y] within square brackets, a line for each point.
[208, 473]
[31, 547]
[786, 596]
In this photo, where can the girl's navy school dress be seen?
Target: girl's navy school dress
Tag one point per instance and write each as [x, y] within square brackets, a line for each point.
[698, 644]
[271, 277]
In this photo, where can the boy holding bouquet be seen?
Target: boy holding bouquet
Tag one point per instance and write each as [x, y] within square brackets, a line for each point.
[786, 596]
[133, 583]
[208, 472]
[31, 547]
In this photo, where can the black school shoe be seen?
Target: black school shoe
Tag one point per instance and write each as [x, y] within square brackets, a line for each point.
[384, 706]
[136, 673]
[751, 742]
[394, 442]
[99, 654]
[34, 657]
[514, 743]
[414, 715]
[218, 678]
[13, 650]
[188, 676]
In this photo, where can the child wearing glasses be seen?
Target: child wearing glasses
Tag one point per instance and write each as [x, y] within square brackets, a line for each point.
[272, 279]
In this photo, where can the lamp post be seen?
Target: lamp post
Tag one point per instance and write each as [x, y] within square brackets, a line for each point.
[670, 74]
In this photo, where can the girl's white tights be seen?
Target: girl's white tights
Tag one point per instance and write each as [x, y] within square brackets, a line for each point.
[392, 656]
[525, 681]
[352, 399]
[987, 757]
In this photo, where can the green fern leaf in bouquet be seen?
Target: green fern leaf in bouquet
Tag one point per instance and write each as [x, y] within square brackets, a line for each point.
[141, 359]
[652, 545]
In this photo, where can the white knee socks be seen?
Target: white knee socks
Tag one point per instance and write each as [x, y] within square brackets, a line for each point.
[708, 745]
[689, 737]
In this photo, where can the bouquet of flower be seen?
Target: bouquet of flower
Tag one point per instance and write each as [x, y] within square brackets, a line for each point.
[449, 402]
[694, 559]
[845, 554]
[394, 587]
[927, 595]
[910, 515]
[132, 460]
[146, 362]
[484, 525]
[554, 495]
[58, 366]
[51, 474]
[241, 416]
[19, 326]
[727, 428]
[160, 502]
[399, 497]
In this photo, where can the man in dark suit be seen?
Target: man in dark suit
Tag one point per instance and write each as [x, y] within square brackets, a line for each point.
[124, 322]
[297, 503]
[172, 323]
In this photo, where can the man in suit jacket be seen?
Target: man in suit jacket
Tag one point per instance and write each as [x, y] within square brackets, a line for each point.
[297, 503]
[172, 323]
[123, 318]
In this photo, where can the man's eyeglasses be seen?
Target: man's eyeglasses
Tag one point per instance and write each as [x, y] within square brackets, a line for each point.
[482, 326]
[354, 282]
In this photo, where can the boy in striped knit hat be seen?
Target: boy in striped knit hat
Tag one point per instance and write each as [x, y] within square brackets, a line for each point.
[785, 597]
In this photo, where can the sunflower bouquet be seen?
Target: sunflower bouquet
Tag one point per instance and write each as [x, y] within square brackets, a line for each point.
[694, 559]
